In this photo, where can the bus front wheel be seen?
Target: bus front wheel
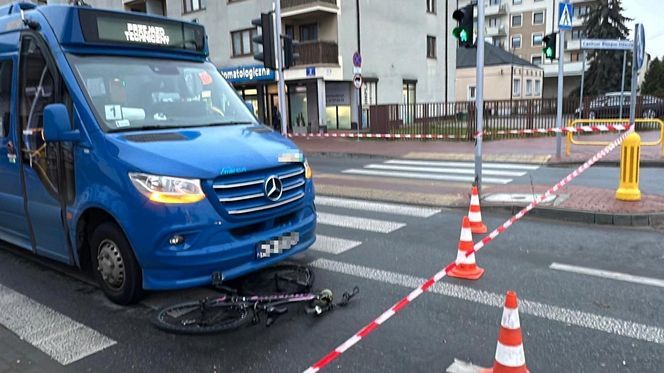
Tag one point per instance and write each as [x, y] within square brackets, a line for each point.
[114, 265]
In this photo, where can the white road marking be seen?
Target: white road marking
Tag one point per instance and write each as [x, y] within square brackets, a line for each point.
[503, 166]
[554, 313]
[445, 170]
[608, 274]
[60, 337]
[459, 366]
[365, 224]
[412, 175]
[387, 208]
[333, 245]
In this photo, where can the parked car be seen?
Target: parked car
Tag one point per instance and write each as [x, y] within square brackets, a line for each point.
[608, 106]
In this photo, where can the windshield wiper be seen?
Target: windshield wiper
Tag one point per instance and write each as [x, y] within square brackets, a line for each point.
[229, 123]
[143, 128]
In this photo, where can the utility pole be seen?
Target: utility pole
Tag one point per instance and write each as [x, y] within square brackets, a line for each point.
[281, 86]
[479, 94]
[559, 103]
[622, 83]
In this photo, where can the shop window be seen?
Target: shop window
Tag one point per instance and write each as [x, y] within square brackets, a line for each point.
[337, 105]
[408, 91]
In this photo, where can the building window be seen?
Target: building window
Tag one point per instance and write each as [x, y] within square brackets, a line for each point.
[471, 92]
[517, 20]
[537, 39]
[309, 32]
[431, 47]
[242, 43]
[574, 57]
[369, 92]
[494, 2]
[516, 42]
[431, 6]
[516, 87]
[581, 11]
[529, 87]
[578, 34]
[538, 87]
[493, 22]
[538, 18]
[193, 5]
[517, 2]
[536, 60]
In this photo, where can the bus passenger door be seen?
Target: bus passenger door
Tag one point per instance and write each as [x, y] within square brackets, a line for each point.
[47, 167]
[13, 222]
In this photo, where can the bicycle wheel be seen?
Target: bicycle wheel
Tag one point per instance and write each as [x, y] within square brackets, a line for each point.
[279, 279]
[193, 318]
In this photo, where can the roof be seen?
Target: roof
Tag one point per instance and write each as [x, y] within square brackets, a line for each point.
[493, 55]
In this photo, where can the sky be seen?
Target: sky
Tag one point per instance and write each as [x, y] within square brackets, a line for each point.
[648, 13]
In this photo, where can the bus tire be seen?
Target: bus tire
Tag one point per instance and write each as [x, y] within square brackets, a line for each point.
[114, 265]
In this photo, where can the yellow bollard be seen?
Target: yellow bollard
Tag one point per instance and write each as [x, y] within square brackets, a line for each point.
[630, 160]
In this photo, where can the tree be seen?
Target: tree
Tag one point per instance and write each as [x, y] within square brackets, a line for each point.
[653, 82]
[605, 21]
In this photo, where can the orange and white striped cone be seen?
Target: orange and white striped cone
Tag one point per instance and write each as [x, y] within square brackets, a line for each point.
[510, 357]
[466, 267]
[475, 213]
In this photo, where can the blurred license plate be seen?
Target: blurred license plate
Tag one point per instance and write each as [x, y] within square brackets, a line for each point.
[277, 246]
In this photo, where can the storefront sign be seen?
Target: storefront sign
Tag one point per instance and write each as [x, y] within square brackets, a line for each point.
[247, 74]
[337, 94]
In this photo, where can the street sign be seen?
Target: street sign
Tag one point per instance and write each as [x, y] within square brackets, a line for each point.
[565, 16]
[357, 70]
[612, 44]
[640, 47]
[357, 59]
[357, 81]
[311, 71]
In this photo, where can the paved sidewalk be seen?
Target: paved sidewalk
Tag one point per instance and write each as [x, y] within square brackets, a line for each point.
[573, 203]
[537, 150]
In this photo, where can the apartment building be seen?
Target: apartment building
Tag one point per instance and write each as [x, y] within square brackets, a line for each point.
[408, 54]
[518, 27]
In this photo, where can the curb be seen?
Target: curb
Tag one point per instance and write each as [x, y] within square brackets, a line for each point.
[551, 162]
[587, 217]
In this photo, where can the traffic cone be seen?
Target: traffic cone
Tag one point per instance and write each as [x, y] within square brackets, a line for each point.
[475, 214]
[466, 267]
[510, 357]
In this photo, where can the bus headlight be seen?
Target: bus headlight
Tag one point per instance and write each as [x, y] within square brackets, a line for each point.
[308, 172]
[167, 189]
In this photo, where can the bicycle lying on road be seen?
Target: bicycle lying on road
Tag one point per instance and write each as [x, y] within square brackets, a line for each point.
[291, 284]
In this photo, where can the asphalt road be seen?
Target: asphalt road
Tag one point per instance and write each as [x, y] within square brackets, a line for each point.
[597, 176]
[571, 322]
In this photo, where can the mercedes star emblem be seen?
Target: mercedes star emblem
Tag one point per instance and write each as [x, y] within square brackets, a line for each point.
[273, 188]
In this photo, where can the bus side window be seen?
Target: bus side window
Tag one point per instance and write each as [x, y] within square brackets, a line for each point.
[5, 96]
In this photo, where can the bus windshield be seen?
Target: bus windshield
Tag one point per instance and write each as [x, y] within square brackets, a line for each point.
[131, 94]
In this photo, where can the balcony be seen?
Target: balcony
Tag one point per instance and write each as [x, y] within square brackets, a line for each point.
[290, 8]
[317, 53]
[494, 10]
[573, 45]
[496, 30]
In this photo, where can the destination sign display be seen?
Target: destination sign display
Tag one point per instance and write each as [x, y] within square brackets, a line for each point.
[113, 28]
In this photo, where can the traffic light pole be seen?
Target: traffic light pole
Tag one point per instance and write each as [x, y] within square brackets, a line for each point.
[559, 104]
[479, 93]
[279, 56]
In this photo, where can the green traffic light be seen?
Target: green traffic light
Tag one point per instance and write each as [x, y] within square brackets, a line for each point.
[463, 36]
[548, 52]
[456, 32]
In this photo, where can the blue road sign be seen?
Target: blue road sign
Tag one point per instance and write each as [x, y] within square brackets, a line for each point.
[640, 41]
[357, 59]
[565, 16]
[311, 71]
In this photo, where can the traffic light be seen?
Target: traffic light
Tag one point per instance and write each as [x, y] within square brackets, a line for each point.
[549, 48]
[464, 30]
[266, 39]
[290, 56]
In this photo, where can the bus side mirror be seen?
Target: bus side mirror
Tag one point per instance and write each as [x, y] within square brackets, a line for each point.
[57, 124]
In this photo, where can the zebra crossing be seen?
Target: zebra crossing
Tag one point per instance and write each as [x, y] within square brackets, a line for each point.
[492, 172]
[339, 245]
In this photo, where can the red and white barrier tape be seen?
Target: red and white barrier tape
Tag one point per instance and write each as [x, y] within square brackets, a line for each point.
[564, 130]
[442, 273]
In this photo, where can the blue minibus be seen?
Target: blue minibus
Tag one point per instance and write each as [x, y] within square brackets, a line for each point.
[123, 150]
